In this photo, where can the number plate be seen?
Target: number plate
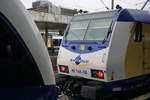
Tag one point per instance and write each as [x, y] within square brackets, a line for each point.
[80, 71]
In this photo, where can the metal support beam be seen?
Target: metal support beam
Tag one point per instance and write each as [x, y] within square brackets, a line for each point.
[112, 4]
[46, 33]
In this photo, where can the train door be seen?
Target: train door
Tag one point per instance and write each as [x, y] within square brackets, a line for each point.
[146, 48]
[134, 54]
[20, 78]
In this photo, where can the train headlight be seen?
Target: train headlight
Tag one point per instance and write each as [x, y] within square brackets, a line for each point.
[82, 47]
[63, 69]
[97, 74]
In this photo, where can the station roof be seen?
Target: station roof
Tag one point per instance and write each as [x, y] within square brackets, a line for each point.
[44, 18]
[64, 11]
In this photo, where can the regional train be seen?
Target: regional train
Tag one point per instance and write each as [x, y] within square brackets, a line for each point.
[54, 42]
[105, 52]
[25, 67]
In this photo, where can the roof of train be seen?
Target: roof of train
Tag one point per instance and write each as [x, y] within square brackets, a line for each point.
[134, 15]
[127, 15]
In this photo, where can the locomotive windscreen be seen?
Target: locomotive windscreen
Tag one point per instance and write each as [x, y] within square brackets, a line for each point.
[92, 27]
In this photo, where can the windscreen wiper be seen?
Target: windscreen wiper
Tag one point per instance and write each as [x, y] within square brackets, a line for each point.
[87, 29]
[109, 31]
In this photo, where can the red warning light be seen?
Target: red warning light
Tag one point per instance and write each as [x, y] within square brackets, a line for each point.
[100, 74]
[62, 68]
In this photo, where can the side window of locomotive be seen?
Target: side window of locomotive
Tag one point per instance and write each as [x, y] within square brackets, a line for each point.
[138, 33]
[17, 66]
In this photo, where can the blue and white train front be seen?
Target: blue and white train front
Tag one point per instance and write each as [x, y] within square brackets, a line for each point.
[84, 49]
[106, 52]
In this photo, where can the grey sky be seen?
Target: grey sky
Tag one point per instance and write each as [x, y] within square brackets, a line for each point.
[91, 5]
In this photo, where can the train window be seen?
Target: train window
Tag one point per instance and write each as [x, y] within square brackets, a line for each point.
[56, 42]
[17, 66]
[138, 33]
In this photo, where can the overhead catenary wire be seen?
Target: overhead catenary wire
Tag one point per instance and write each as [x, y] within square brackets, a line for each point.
[99, 8]
[78, 6]
[104, 4]
[145, 4]
[127, 2]
[141, 2]
[136, 5]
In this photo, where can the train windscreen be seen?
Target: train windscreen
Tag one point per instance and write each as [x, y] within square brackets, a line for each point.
[89, 28]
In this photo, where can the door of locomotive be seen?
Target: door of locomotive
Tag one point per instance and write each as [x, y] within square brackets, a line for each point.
[146, 48]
